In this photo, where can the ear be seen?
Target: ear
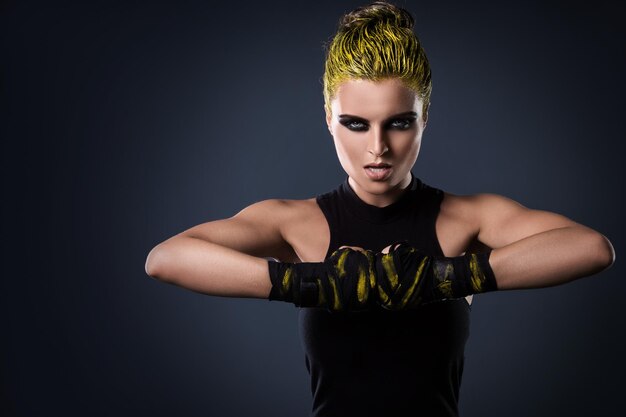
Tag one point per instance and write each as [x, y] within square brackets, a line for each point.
[425, 115]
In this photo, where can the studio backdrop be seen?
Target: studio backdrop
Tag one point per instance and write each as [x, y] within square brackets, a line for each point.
[124, 123]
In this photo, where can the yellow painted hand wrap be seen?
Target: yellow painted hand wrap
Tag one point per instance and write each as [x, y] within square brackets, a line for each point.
[343, 282]
[408, 277]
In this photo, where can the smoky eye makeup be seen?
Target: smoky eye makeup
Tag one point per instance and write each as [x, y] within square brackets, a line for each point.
[402, 124]
[357, 124]
[354, 123]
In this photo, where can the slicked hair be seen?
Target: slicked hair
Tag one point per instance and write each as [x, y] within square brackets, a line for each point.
[376, 42]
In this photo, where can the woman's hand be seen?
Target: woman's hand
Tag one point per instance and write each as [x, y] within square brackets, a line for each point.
[342, 282]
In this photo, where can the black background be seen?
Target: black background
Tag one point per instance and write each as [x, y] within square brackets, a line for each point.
[124, 123]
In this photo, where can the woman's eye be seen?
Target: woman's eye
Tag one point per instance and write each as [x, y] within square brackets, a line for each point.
[359, 126]
[355, 125]
[401, 124]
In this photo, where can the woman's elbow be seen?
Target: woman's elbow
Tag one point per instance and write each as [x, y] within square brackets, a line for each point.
[603, 251]
[156, 261]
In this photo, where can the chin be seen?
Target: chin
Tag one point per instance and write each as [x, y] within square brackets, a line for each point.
[378, 187]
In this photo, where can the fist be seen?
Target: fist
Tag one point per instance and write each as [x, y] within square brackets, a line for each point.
[401, 278]
[351, 279]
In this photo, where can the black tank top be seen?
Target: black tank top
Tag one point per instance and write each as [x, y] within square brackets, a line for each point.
[380, 362]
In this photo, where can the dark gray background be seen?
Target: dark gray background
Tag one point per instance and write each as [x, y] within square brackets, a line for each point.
[125, 123]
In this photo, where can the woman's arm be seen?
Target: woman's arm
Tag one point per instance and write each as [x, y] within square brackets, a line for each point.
[225, 257]
[208, 268]
[535, 248]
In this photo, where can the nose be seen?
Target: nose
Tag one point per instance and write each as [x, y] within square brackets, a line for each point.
[377, 142]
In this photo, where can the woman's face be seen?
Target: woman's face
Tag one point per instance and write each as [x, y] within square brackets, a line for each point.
[373, 123]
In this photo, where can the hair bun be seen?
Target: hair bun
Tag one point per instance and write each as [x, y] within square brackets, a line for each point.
[375, 13]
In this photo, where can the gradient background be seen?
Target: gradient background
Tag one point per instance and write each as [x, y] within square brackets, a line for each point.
[125, 123]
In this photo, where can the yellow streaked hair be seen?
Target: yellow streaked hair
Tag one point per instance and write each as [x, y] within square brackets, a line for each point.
[376, 42]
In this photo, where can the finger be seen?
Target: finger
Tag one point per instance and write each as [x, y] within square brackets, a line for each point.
[402, 243]
[353, 248]
[386, 250]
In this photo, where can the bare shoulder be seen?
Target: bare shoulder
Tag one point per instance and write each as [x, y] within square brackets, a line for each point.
[301, 225]
[302, 218]
[306, 230]
[298, 208]
[472, 206]
[273, 210]
[459, 207]
[277, 211]
[500, 220]
[457, 224]
[279, 214]
[258, 229]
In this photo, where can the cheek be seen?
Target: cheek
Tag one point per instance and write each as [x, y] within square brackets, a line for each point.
[412, 145]
[412, 151]
[349, 150]
[407, 148]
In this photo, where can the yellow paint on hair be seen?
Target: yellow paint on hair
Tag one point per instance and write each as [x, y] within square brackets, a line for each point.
[376, 42]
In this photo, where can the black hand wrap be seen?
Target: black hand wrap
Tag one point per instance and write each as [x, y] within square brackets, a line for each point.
[407, 277]
[344, 281]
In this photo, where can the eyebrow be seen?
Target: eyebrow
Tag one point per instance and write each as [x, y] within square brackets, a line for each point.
[395, 116]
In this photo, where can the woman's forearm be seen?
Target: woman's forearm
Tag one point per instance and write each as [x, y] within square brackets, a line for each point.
[551, 258]
[208, 268]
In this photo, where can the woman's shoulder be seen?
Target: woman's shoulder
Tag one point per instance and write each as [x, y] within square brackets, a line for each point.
[286, 203]
[458, 204]
[470, 204]
[287, 209]
[500, 220]
[479, 203]
[300, 207]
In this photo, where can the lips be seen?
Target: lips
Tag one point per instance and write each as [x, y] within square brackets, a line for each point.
[379, 165]
[378, 172]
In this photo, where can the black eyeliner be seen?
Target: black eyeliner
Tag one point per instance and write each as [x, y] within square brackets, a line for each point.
[406, 119]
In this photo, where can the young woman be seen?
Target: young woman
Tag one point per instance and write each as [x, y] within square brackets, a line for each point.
[380, 341]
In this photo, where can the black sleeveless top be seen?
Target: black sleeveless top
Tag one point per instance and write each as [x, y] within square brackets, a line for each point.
[380, 362]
